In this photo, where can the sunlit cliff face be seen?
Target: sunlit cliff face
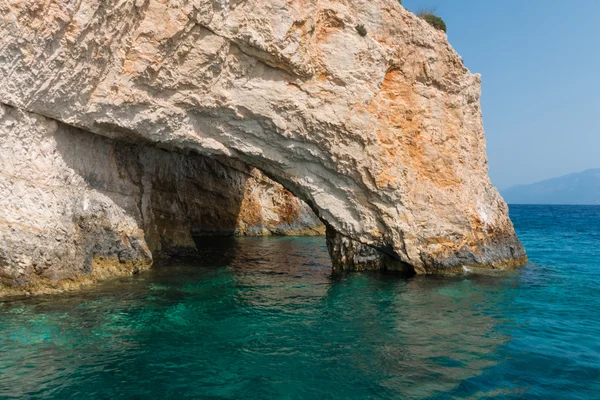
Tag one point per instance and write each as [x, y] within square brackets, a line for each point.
[380, 134]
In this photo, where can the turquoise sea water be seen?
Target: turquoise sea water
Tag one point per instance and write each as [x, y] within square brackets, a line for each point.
[264, 318]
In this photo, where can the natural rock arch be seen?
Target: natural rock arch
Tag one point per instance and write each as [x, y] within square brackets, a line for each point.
[381, 134]
[76, 205]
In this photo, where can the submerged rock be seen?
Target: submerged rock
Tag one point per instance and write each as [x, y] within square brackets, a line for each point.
[380, 134]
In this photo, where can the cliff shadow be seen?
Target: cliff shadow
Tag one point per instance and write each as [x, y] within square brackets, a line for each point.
[179, 200]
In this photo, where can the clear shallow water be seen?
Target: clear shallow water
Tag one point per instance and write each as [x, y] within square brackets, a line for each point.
[263, 318]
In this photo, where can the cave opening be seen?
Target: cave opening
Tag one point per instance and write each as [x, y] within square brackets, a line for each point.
[192, 204]
[202, 215]
[110, 205]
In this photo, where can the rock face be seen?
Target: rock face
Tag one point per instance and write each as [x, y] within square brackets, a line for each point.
[381, 135]
[78, 205]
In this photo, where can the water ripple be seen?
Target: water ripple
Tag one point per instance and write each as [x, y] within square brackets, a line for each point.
[264, 318]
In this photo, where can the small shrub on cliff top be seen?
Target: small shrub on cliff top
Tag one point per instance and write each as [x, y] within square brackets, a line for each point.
[362, 31]
[433, 20]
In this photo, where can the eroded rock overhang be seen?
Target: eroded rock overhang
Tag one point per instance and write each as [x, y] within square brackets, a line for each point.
[75, 206]
[381, 135]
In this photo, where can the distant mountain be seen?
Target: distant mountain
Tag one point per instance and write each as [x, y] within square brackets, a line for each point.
[578, 188]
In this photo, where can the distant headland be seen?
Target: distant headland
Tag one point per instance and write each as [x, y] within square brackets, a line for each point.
[578, 188]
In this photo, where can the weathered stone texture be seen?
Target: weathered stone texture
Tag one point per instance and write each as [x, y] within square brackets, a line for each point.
[75, 204]
[381, 135]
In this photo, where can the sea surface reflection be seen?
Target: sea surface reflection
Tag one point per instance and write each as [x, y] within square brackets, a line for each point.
[265, 318]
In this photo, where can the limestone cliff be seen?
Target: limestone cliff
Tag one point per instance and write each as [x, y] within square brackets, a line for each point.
[381, 135]
[77, 205]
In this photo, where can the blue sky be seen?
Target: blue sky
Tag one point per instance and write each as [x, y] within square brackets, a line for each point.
[540, 66]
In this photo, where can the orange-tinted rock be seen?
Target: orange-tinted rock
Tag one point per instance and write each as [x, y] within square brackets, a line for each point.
[382, 134]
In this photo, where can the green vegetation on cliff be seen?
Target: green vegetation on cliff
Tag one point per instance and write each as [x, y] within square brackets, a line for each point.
[433, 20]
